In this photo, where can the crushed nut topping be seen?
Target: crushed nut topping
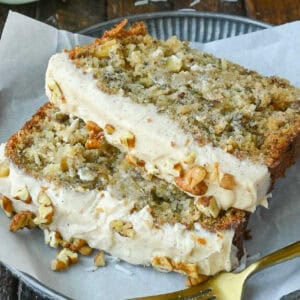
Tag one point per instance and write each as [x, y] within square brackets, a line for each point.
[63, 259]
[46, 209]
[23, 195]
[6, 205]
[227, 182]
[4, 170]
[128, 140]
[109, 129]
[208, 206]
[21, 220]
[99, 260]
[123, 228]
[193, 181]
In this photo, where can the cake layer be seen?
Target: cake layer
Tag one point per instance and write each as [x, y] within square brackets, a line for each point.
[181, 108]
[98, 196]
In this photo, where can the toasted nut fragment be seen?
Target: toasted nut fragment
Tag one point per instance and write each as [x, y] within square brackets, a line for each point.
[92, 126]
[76, 244]
[134, 161]
[7, 206]
[21, 220]
[99, 260]
[128, 140]
[102, 50]
[190, 158]
[93, 144]
[4, 170]
[192, 181]
[63, 259]
[162, 263]
[46, 209]
[123, 228]
[208, 206]
[227, 182]
[58, 265]
[52, 238]
[189, 269]
[191, 281]
[178, 167]
[85, 250]
[109, 129]
[56, 91]
[23, 195]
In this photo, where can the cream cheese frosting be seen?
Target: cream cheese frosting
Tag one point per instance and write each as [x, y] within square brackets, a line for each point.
[158, 140]
[87, 215]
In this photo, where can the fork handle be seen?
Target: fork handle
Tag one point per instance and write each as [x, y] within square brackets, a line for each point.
[284, 254]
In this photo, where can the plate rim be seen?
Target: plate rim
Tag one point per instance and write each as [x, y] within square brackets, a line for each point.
[179, 13]
[31, 281]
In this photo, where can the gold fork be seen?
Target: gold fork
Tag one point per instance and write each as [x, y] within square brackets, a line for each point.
[230, 286]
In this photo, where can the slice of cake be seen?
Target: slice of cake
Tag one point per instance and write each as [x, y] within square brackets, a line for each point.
[211, 127]
[59, 173]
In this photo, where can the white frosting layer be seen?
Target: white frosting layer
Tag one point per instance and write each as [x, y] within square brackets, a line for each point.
[159, 140]
[77, 215]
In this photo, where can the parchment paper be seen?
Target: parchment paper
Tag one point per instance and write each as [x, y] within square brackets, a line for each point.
[25, 48]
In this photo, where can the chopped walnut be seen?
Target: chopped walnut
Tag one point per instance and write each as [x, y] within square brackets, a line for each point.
[128, 140]
[193, 181]
[4, 170]
[99, 260]
[96, 136]
[165, 263]
[179, 169]
[23, 195]
[208, 206]
[85, 250]
[21, 220]
[134, 161]
[46, 209]
[227, 182]
[123, 228]
[7, 206]
[109, 129]
[52, 238]
[63, 259]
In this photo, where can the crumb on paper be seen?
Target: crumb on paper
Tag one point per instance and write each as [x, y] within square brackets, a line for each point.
[124, 270]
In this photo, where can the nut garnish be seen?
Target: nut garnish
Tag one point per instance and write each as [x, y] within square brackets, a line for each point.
[63, 259]
[85, 250]
[208, 206]
[123, 228]
[128, 140]
[23, 195]
[4, 170]
[21, 220]
[76, 244]
[7, 206]
[191, 281]
[46, 209]
[193, 181]
[56, 91]
[109, 129]
[227, 182]
[134, 161]
[52, 238]
[190, 158]
[95, 136]
[179, 169]
[167, 264]
[99, 260]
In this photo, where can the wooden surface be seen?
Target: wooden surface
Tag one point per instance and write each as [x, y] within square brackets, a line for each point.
[74, 15]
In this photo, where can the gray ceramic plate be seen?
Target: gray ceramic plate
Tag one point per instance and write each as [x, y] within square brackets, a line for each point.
[185, 24]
